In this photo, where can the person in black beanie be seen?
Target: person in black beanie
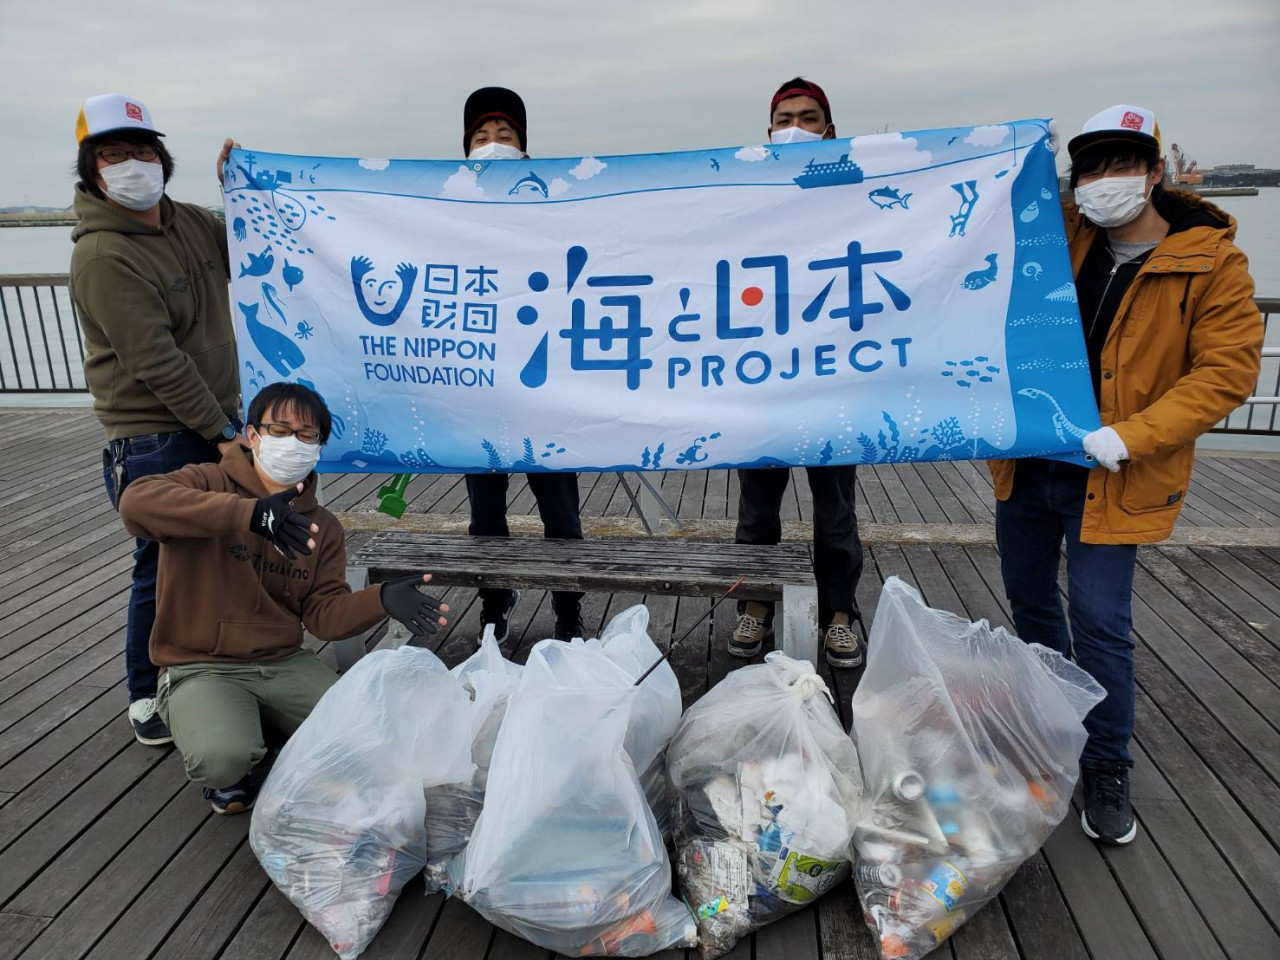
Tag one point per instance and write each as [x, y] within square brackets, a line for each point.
[494, 128]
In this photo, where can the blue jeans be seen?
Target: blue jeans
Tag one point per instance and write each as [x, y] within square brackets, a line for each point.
[1046, 506]
[123, 461]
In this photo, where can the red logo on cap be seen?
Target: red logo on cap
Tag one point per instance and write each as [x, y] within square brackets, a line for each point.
[1132, 121]
[134, 112]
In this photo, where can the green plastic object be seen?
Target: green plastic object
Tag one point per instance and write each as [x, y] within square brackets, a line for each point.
[391, 497]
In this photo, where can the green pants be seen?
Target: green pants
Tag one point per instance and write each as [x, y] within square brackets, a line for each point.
[217, 711]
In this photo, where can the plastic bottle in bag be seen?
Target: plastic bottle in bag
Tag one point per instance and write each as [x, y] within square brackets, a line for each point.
[768, 794]
[969, 741]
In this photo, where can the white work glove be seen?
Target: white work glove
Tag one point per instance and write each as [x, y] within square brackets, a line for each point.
[1106, 447]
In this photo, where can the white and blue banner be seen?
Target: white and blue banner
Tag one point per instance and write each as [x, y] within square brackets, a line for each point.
[887, 298]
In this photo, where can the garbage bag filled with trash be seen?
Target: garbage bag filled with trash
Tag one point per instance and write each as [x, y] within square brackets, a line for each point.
[489, 679]
[768, 792]
[566, 852]
[339, 825]
[970, 742]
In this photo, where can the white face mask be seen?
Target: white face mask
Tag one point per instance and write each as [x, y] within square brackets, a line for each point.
[286, 460]
[793, 135]
[1112, 201]
[134, 184]
[496, 151]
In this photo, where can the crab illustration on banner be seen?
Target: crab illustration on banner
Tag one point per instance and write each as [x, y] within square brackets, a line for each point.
[880, 299]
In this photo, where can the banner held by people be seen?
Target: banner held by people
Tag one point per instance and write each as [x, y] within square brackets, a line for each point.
[879, 299]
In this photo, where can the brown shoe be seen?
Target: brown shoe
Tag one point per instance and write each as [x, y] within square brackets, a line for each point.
[843, 649]
[751, 632]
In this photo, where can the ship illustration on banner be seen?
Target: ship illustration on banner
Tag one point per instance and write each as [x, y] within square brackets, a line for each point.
[830, 174]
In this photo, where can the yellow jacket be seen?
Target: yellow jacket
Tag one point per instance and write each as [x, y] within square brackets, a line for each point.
[1183, 352]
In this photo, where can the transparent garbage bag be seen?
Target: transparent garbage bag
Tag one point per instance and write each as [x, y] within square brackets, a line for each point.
[339, 824]
[768, 791]
[970, 742]
[566, 852]
[452, 809]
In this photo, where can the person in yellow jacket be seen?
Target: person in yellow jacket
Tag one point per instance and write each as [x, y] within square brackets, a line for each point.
[1174, 343]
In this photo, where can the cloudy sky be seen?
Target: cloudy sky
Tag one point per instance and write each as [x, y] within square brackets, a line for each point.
[388, 77]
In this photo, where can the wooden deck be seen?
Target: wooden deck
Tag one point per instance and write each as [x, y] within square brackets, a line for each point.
[107, 852]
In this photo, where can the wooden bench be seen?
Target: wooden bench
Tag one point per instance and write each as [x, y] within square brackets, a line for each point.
[662, 566]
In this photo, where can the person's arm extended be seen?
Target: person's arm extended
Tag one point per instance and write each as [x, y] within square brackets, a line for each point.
[330, 610]
[180, 505]
[133, 316]
[1225, 348]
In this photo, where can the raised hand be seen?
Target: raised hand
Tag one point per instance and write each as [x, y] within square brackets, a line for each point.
[275, 520]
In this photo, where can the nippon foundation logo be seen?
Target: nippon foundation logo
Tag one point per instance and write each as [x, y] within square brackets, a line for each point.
[133, 111]
[1132, 121]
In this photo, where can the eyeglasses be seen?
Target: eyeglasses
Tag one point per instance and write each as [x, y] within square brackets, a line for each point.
[114, 155]
[282, 430]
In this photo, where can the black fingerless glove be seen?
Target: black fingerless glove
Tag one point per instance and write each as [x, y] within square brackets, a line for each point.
[274, 519]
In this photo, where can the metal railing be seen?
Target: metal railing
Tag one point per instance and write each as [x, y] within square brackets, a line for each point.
[42, 350]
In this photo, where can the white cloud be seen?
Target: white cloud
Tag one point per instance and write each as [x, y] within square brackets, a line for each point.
[887, 153]
[375, 164]
[462, 185]
[989, 136]
[587, 168]
[752, 154]
[558, 186]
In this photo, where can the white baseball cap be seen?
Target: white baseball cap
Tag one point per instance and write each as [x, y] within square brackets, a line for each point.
[112, 111]
[1123, 122]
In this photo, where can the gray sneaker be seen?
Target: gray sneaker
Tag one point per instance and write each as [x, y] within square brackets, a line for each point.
[843, 648]
[749, 636]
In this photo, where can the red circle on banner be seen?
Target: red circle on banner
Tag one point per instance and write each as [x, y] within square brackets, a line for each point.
[752, 296]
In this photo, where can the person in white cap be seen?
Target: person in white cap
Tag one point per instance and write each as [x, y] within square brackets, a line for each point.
[1174, 344]
[150, 280]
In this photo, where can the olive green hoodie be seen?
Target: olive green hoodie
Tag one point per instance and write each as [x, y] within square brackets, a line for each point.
[155, 310]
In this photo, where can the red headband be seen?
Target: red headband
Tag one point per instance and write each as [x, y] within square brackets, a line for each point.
[809, 90]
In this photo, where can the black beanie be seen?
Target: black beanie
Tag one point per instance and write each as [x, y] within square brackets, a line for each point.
[491, 103]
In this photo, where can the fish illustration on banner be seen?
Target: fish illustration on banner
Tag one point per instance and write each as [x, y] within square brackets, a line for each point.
[880, 299]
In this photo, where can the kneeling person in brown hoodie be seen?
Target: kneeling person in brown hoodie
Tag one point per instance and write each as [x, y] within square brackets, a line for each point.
[248, 557]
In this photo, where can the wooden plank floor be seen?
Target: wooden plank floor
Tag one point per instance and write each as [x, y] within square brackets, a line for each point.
[107, 852]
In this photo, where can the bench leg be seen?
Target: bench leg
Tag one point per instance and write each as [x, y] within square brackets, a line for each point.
[347, 652]
[800, 623]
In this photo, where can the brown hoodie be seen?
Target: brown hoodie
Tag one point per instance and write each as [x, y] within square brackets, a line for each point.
[154, 306]
[225, 595]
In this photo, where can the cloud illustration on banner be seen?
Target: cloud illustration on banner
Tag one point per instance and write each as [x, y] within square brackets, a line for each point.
[991, 136]
[558, 186]
[752, 154]
[462, 185]
[375, 163]
[884, 153]
[587, 168]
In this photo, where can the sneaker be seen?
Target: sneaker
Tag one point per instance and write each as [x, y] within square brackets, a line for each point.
[497, 611]
[147, 725]
[569, 626]
[843, 649]
[1107, 815]
[236, 798]
[749, 636]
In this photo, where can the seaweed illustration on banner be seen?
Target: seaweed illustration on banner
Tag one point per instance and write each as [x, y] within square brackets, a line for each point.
[495, 459]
